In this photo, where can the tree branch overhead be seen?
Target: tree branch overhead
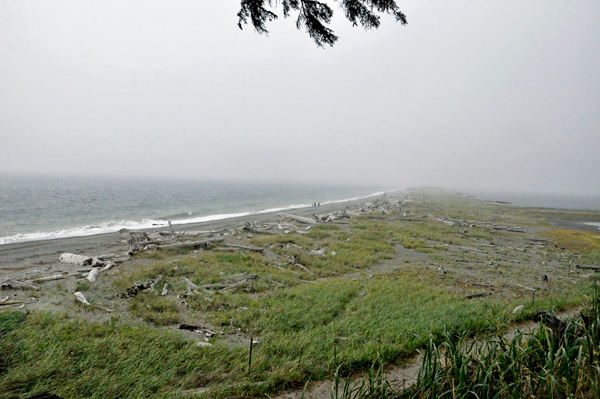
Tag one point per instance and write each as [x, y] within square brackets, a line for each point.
[314, 15]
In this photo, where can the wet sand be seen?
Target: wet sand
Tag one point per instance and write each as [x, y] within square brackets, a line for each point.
[575, 224]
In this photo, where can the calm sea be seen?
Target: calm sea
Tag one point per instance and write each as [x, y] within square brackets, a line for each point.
[36, 208]
[557, 201]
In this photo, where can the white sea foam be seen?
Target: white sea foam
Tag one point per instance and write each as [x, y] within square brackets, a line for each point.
[113, 226]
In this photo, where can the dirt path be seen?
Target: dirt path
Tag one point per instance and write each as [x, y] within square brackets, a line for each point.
[404, 375]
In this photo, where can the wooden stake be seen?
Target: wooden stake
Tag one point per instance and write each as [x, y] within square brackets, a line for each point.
[533, 303]
[250, 357]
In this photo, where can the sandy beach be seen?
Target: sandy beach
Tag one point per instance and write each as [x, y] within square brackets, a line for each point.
[20, 260]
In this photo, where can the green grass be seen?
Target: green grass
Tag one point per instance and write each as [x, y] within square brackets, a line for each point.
[298, 328]
[546, 364]
[331, 321]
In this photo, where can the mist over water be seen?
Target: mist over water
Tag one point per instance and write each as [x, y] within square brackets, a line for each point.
[37, 208]
[559, 201]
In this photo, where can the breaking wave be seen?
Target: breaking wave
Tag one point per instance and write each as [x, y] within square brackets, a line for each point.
[113, 226]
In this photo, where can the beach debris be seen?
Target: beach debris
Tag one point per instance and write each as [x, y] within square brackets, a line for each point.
[330, 217]
[255, 228]
[80, 260]
[301, 266]
[93, 274]
[297, 218]
[108, 266]
[513, 229]
[517, 309]
[55, 277]
[236, 281]
[137, 288]
[17, 285]
[81, 298]
[320, 252]
[190, 284]
[189, 327]
[277, 283]
[191, 244]
[204, 331]
[588, 267]
[480, 295]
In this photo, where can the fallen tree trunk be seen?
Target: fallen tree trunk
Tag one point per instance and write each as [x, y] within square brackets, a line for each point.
[297, 218]
[191, 244]
[56, 277]
[80, 260]
[16, 284]
[594, 268]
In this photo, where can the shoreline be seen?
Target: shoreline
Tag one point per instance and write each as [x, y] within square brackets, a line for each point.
[149, 223]
[39, 255]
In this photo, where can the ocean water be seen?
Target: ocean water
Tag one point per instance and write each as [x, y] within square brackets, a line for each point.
[556, 201]
[40, 208]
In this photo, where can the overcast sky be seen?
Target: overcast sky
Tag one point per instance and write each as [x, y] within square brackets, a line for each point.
[470, 94]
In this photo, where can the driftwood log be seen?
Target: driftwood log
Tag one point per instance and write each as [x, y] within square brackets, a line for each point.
[18, 285]
[56, 277]
[93, 274]
[80, 260]
[297, 218]
[81, 298]
[587, 267]
[191, 244]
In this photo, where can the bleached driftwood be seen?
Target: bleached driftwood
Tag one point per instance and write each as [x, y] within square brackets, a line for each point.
[16, 285]
[190, 284]
[191, 244]
[297, 218]
[80, 260]
[164, 290]
[108, 266]
[55, 277]
[253, 227]
[93, 274]
[81, 298]
[304, 268]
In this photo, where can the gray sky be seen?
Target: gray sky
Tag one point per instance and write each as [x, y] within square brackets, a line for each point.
[485, 95]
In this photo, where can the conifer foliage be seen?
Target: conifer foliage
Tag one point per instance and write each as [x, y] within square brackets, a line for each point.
[315, 15]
